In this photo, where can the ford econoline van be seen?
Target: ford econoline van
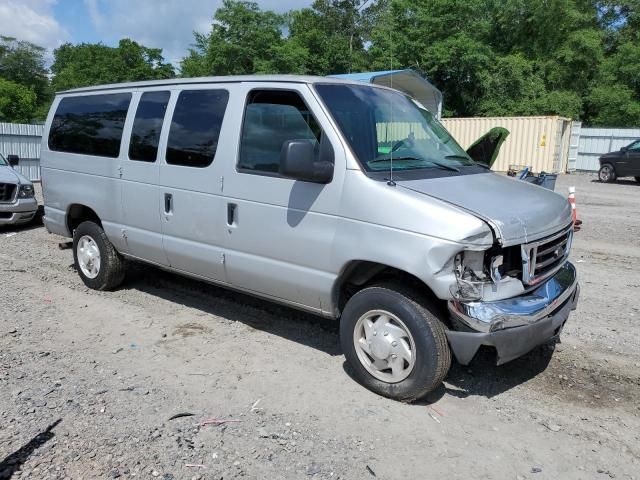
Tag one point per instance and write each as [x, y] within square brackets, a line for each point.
[343, 199]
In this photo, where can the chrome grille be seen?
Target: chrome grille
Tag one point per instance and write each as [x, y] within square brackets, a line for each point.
[7, 192]
[543, 258]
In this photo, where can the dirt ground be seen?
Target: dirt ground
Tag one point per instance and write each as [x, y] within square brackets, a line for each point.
[89, 381]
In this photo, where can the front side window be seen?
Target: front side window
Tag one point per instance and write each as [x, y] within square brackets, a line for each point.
[147, 125]
[271, 118]
[90, 125]
[383, 126]
[195, 127]
[635, 145]
[3, 162]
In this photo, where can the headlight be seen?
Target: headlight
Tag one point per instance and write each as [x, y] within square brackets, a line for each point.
[496, 263]
[26, 191]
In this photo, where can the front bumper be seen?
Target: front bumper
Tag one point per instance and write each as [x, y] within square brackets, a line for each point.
[20, 211]
[516, 325]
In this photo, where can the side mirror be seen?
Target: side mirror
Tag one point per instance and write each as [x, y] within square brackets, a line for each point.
[14, 160]
[298, 161]
[624, 149]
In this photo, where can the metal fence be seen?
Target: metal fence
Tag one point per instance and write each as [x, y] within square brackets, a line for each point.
[548, 143]
[22, 140]
[596, 141]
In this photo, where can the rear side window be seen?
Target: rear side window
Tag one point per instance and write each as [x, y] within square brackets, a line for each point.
[195, 127]
[271, 118]
[90, 125]
[147, 125]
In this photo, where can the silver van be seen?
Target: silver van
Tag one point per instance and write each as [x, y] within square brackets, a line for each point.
[340, 198]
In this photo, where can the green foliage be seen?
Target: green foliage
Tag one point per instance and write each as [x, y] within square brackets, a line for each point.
[614, 106]
[326, 38]
[24, 81]
[243, 40]
[94, 64]
[575, 58]
[17, 102]
[333, 32]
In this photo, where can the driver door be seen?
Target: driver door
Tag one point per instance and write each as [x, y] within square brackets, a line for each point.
[279, 231]
[634, 158]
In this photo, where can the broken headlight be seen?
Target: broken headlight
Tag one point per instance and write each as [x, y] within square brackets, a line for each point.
[500, 262]
[479, 273]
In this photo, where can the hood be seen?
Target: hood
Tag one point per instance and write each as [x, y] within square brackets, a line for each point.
[519, 212]
[615, 154]
[9, 175]
[486, 149]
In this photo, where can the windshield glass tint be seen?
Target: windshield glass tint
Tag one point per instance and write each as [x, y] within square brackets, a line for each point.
[3, 162]
[381, 125]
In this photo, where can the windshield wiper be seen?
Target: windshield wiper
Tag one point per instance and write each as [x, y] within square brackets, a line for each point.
[483, 165]
[388, 159]
[473, 162]
[443, 166]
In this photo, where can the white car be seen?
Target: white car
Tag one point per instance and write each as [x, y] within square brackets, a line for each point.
[17, 200]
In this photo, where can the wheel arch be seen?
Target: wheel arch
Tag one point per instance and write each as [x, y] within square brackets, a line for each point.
[358, 274]
[78, 213]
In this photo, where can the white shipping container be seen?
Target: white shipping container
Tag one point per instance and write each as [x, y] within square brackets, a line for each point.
[541, 143]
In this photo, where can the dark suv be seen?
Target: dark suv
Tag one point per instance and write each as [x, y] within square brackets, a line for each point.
[623, 163]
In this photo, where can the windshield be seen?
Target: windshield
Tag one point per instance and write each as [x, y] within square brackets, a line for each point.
[3, 161]
[383, 125]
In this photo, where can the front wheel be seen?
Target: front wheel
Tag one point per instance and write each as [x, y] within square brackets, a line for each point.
[606, 173]
[637, 179]
[394, 344]
[96, 260]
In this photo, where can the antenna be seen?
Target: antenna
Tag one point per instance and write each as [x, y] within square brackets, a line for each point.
[391, 182]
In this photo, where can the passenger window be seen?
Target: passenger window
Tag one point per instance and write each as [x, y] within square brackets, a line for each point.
[271, 118]
[195, 127]
[90, 125]
[147, 125]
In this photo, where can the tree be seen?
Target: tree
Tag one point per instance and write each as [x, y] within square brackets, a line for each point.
[446, 39]
[93, 64]
[243, 40]
[333, 32]
[515, 57]
[17, 102]
[23, 63]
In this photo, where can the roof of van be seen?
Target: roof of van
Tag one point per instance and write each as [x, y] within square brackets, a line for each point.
[203, 80]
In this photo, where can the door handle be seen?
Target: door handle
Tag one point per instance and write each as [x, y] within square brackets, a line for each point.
[231, 213]
[168, 203]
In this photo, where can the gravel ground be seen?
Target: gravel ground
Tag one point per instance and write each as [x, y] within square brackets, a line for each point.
[90, 381]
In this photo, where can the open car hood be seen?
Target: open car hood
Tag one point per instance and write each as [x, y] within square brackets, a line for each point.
[518, 212]
[486, 149]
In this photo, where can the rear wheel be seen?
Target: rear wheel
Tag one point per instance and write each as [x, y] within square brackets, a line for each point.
[606, 173]
[394, 344]
[96, 260]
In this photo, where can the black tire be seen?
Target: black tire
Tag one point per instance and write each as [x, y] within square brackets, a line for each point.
[607, 173]
[112, 265]
[637, 179]
[432, 354]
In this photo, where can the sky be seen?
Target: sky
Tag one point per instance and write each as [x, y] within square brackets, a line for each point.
[166, 24]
